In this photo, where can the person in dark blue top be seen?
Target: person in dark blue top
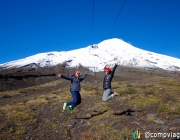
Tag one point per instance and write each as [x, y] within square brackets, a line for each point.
[75, 89]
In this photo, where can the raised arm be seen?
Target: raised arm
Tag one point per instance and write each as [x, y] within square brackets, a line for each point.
[82, 78]
[105, 67]
[114, 68]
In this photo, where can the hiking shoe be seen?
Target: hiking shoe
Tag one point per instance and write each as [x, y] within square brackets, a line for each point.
[116, 94]
[70, 109]
[64, 106]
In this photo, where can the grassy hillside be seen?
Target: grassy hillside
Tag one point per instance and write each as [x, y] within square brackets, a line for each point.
[146, 102]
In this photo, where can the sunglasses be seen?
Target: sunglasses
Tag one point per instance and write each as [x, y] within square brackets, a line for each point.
[77, 73]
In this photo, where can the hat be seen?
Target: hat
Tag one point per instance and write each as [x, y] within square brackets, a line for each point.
[74, 73]
[107, 69]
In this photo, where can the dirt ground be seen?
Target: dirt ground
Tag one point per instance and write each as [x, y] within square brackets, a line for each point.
[31, 106]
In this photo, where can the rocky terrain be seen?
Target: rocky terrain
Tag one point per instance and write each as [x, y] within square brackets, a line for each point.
[31, 105]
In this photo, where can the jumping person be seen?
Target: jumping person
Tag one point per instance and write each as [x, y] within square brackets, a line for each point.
[108, 94]
[75, 89]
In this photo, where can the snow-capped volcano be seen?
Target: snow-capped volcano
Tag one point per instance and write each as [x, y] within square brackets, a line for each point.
[98, 55]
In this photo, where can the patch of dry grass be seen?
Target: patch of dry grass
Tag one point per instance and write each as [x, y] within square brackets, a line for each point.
[142, 102]
[128, 90]
[19, 132]
[18, 116]
[37, 101]
[27, 90]
[148, 94]
[50, 84]
[169, 108]
[10, 108]
[106, 132]
[8, 94]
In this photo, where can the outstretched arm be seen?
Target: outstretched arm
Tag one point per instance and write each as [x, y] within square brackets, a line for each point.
[65, 77]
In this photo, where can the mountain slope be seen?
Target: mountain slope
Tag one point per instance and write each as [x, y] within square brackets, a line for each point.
[97, 56]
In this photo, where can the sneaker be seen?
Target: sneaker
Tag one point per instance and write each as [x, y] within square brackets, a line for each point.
[116, 94]
[64, 106]
[70, 109]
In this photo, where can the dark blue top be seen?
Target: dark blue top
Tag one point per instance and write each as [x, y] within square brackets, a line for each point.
[75, 82]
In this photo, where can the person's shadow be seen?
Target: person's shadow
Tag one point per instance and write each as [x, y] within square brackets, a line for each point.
[128, 112]
[92, 115]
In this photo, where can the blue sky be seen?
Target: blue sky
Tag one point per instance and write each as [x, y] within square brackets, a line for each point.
[28, 27]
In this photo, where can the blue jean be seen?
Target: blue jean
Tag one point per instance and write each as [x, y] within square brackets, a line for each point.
[76, 99]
